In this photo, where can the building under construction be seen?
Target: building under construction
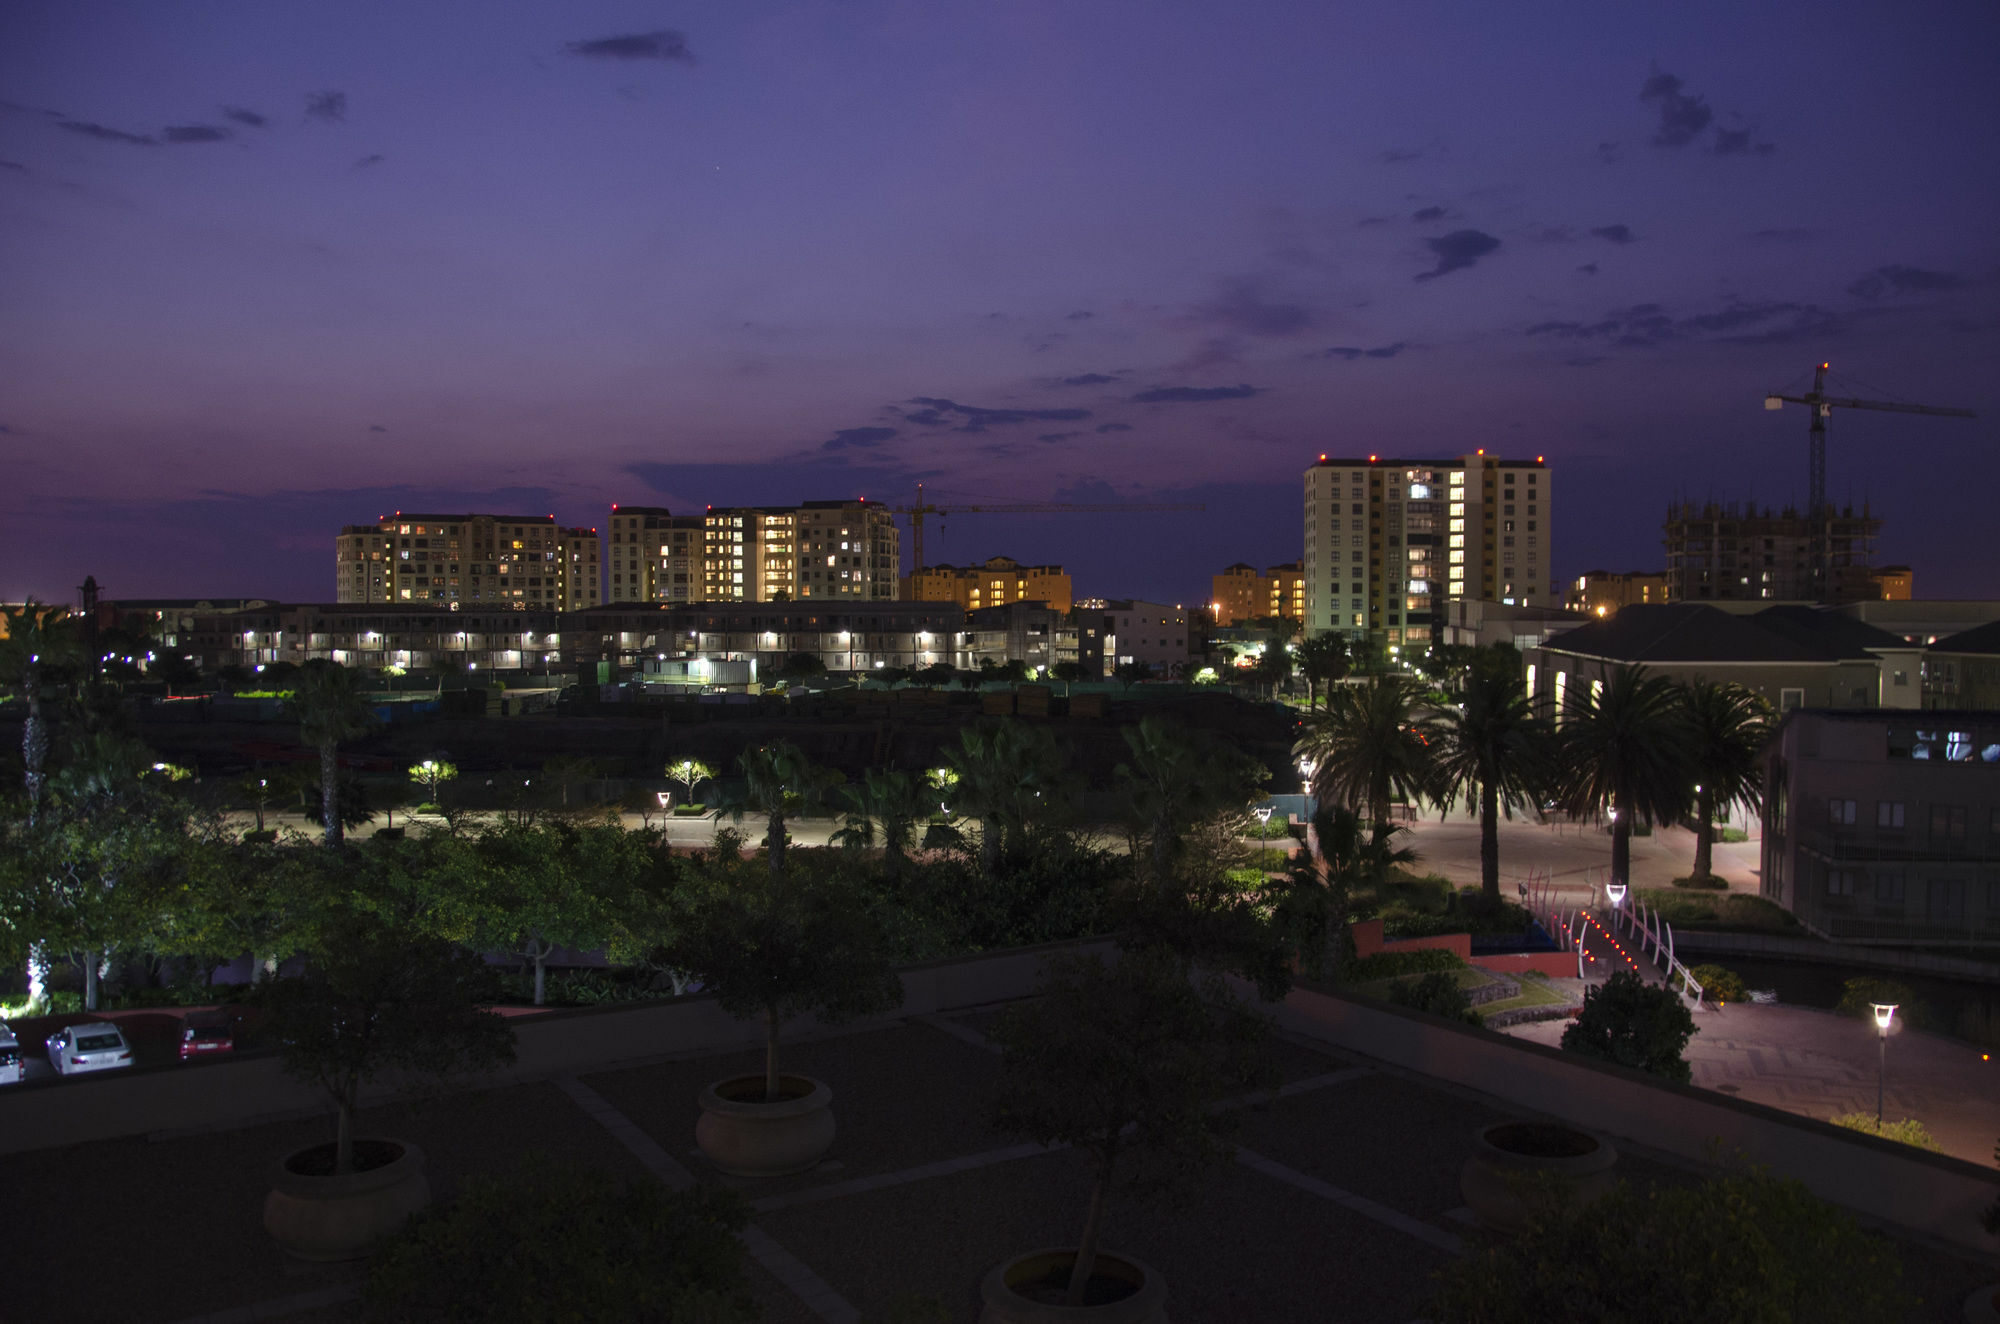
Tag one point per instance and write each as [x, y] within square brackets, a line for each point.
[1730, 552]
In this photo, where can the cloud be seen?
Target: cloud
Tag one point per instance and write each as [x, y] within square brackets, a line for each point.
[1243, 306]
[1736, 142]
[1610, 153]
[1170, 395]
[1427, 214]
[1079, 315]
[329, 106]
[195, 133]
[1895, 279]
[1588, 268]
[1058, 436]
[937, 412]
[242, 116]
[665, 44]
[374, 158]
[1399, 156]
[104, 134]
[1088, 379]
[1647, 324]
[1113, 427]
[1351, 352]
[1682, 117]
[1617, 234]
[858, 438]
[1458, 250]
[14, 165]
[376, 427]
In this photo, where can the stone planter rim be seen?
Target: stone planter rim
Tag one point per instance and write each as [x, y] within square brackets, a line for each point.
[1150, 1297]
[1603, 1156]
[820, 1096]
[337, 1184]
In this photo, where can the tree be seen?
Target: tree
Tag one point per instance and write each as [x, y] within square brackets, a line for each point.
[1727, 728]
[1624, 750]
[551, 1244]
[778, 944]
[936, 675]
[1369, 747]
[1494, 750]
[1635, 1024]
[37, 643]
[1129, 674]
[891, 801]
[1010, 776]
[1273, 667]
[541, 888]
[1322, 660]
[374, 996]
[690, 773]
[1070, 673]
[1125, 1062]
[802, 666]
[333, 707]
[431, 775]
[1342, 854]
[258, 791]
[571, 770]
[779, 783]
[1174, 778]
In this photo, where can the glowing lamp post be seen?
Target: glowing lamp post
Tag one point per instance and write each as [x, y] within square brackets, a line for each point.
[1615, 893]
[1884, 1013]
[1263, 813]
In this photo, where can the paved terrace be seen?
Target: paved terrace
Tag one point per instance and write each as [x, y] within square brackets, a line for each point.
[1342, 1202]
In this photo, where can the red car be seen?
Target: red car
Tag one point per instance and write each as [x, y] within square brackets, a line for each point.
[205, 1032]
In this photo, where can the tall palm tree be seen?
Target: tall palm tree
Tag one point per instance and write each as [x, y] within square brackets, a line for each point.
[1176, 778]
[891, 802]
[333, 707]
[1322, 660]
[1009, 774]
[1727, 727]
[1625, 752]
[1341, 855]
[36, 641]
[1496, 750]
[779, 782]
[1369, 746]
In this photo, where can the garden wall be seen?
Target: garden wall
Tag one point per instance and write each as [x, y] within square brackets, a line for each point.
[226, 1094]
[1879, 1179]
[1368, 940]
[1562, 965]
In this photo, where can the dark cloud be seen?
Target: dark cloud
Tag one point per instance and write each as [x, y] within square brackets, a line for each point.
[1648, 324]
[1243, 306]
[937, 412]
[373, 159]
[376, 427]
[1458, 250]
[1058, 436]
[1088, 379]
[1608, 153]
[242, 116]
[1736, 142]
[104, 134]
[1588, 268]
[1682, 117]
[14, 165]
[1351, 352]
[330, 106]
[1427, 214]
[1113, 427]
[1174, 395]
[665, 44]
[195, 133]
[853, 438]
[1617, 234]
[1079, 315]
[1904, 280]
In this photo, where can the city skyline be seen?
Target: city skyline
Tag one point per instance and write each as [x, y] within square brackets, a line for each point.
[275, 273]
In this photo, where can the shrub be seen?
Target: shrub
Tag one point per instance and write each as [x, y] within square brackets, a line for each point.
[1745, 1246]
[1437, 993]
[1909, 1131]
[1860, 994]
[1708, 884]
[556, 1243]
[1635, 1024]
[1394, 965]
[1719, 984]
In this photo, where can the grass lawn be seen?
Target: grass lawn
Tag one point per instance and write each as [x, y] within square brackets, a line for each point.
[1533, 994]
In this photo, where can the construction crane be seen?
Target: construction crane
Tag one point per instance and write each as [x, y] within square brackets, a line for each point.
[1822, 406]
[922, 508]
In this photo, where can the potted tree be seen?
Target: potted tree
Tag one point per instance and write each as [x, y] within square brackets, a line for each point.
[1123, 1062]
[373, 996]
[777, 944]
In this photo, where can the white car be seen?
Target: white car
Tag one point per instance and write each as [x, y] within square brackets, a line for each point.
[89, 1046]
[11, 1067]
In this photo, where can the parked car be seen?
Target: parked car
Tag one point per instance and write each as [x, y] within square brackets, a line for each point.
[11, 1067]
[205, 1032]
[88, 1046]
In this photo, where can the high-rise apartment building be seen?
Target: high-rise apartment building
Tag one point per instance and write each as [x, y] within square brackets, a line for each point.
[839, 550]
[847, 551]
[1387, 541]
[1730, 552]
[995, 583]
[518, 561]
[654, 555]
[749, 554]
[1241, 594]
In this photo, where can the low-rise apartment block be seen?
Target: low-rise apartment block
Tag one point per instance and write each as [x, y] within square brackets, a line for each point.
[522, 562]
[1242, 593]
[1111, 633]
[1602, 593]
[992, 583]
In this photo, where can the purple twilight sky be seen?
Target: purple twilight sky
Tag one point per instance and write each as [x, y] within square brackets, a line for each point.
[269, 269]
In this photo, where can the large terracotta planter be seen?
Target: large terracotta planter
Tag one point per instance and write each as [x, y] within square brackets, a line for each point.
[328, 1217]
[1506, 1152]
[745, 1136]
[1001, 1291]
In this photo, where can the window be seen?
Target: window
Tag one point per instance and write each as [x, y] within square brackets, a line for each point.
[1889, 890]
[1840, 813]
[1841, 882]
[1789, 699]
[1947, 822]
[1889, 814]
[1946, 901]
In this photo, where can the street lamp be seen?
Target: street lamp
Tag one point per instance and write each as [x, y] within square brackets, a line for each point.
[1884, 1013]
[1263, 813]
[1615, 892]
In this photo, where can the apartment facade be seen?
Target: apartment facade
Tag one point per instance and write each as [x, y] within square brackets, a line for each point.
[1602, 593]
[1726, 551]
[996, 582]
[848, 551]
[1885, 827]
[1113, 632]
[1243, 593]
[654, 555]
[521, 562]
[1387, 541]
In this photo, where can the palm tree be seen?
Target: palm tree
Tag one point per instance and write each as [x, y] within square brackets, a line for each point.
[1494, 749]
[1727, 727]
[333, 706]
[1370, 747]
[36, 640]
[1319, 897]
[1625, 750]
[1322, 660]
[1008, 773]
[889, 801]
[779, 782]
[1177, 778]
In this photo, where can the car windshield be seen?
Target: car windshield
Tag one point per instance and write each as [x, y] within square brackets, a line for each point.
[93, 1043]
